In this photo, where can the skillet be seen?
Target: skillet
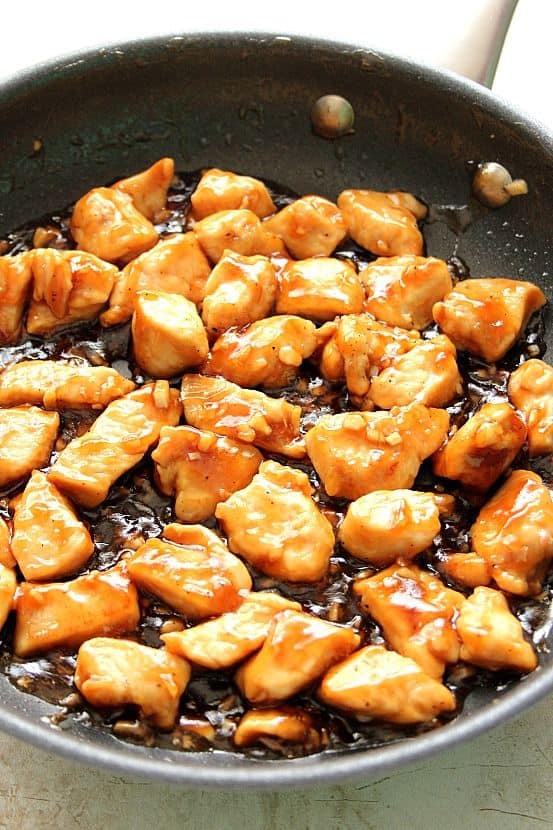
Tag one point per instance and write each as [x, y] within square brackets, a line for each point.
[242, 102]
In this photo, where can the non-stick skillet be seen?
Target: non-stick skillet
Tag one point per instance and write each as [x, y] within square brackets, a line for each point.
[243, 102]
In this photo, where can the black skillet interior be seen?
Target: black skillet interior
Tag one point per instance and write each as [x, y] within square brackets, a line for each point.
[242, 103]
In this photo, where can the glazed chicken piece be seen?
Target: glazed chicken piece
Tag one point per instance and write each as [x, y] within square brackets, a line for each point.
[467, 569]
[513, 533]
[148, 189]
[387, 524]
[402, 290]
[201, 469]
[491, 636]
[309, 227]
[61, 385]
[49, 540]
[27, 436]
[222, 190]
[117, 440]
[15, 289]
[193, 572]
[8, 584]
[6, 555]
[68, 287]
[486, 316]
[381, 684]
[168, 334]
[240, 290]
[275, 525]
[427, 373]
[227, 640]
[417, 614]
[266, 353]
[243, 414]
[65, 614]
[531, 391]
[288, 724]
[355, 453]
[320, 288]
[299, 648]
[236, 230]
[113, 673]
[176, 265]
[482, 449]
[383, 223]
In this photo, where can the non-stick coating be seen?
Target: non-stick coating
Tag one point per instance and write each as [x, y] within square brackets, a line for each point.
[242, 102]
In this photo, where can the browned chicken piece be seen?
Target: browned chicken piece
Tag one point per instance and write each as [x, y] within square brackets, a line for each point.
[148, 189]
[288, 724]
[117, 440]
[531, 391]
[320, 288]
[383, 223]
[468, 569]
[243, 414]
[266, 353]
[27, 435]
[381, 684]
[240, 290]
[49, 540]
[299, 648]
[68, 287]
[222, 190]
[513, 533]
[114, 673]
[486, 316]
[482, 449]
[355, 453]
[15, 289]
[236, 230]
[201, 469]
[402, 290]
[176, 265]
[387, 524]
[60, 385]
[427, 373]
[8, 584]
[275, 525]
[106, 223]
[311, 226]
[168, 334]
[194, 572]
[6, 555]
[417, 614]
[65, 614]
[229, 639]
[491, 636]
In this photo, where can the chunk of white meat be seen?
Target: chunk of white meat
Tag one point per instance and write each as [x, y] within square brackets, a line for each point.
[355, 453]
[8, 584]
[310, 226]
[287, 724]
[482, 449]
[243, 414]
[229, 639]
[468, 569]
[236, 230]
[298, 649]
[417, 614]
[320, 288]
[375, 683]
[487, 316]
[201, 469]
[222, 190]
[112, 673]
[27, 436]
[192, 571]
[383, 223]
[275, 525]
[16, 279]
[117, 440]
[513, 533]
[531, 391]
[148, 189]
[6, 555]
[402, 290]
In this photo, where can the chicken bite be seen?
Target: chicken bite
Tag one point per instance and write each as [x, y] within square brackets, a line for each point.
[15, 289]
[482, 449]
[236, 230]
[201, 469]
[222, 190]
[468, 569]
[309, 227]
[114, 673]
[383, 223]
[8, 584]
[288, 724]
[299, 648]
[382, 685]
[486, 316]
[148, 189]
[27, 436]
[531, 391]
[320, 288]
[275, 525]
[355, 453]
[6, 555]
